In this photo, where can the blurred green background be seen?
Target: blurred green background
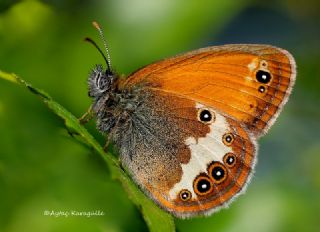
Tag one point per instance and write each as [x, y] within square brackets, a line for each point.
[41, 168]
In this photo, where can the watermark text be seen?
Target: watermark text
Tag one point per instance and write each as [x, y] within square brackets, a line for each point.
[73, 213]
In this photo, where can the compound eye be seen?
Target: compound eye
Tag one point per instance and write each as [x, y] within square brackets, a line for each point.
[101, 81]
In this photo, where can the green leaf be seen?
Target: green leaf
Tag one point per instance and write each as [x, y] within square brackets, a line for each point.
[156, 219]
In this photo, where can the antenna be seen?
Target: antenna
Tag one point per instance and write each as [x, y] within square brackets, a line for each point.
[87, 39]
[108, 60]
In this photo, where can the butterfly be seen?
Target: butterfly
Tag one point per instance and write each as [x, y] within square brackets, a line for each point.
[186, 127]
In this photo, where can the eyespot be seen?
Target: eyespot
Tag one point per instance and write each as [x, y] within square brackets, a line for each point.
[218, 172]
[202, 185]
[206, 115]
[262, 89]
[228, 139]
[185, 195]
[263, 77]
[229, 160]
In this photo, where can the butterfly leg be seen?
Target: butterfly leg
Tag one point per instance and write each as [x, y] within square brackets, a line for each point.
[106, 146]
[87, 116]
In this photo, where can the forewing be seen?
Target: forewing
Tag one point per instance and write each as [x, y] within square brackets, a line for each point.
[249, 83]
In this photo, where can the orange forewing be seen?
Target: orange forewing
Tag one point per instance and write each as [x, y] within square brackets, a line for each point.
[224, 78]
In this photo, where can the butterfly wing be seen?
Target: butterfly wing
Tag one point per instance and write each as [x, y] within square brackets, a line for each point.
[249, 83]
[185, 155]
[190, 142]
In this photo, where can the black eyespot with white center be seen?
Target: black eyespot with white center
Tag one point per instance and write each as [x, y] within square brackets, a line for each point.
[263, 77]
[218, 172]
[202, 185]
[262, 89]
[185, 195]
[228, 139]
[206, 116]
[229, 160]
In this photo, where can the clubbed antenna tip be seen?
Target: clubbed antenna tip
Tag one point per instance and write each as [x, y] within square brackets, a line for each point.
[96, 25]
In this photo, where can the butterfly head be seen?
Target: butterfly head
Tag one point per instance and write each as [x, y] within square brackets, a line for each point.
[101, 81]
